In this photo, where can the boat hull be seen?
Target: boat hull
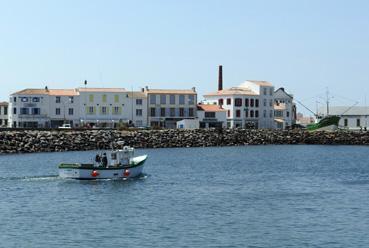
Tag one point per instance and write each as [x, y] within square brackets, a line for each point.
[89, 172]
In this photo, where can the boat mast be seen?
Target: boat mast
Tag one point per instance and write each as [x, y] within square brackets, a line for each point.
[327, 93]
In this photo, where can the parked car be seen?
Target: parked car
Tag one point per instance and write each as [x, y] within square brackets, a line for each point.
[65, 126]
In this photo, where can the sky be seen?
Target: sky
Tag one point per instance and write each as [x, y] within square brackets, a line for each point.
[304, 46]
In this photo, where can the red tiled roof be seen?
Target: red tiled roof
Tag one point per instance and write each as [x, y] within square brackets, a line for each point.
[210, 108]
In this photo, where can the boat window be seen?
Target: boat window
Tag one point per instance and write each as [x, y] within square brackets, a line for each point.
[114, 156]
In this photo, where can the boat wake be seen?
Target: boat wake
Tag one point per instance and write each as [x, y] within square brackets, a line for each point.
[31, 178]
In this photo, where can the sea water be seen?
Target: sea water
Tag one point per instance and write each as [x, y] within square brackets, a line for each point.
[249, 196]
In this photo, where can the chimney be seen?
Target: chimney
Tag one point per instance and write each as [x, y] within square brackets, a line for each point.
[194, 89]
[220, 78]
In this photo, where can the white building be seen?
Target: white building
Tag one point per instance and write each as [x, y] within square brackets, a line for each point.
[167, 107]
[211, 116]
[353, 118]
[284, 109]
[248, 105]
[188, 124]
[3, 114]
[103, 107]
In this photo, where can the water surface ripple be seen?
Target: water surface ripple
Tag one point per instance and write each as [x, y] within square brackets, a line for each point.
[252, 196]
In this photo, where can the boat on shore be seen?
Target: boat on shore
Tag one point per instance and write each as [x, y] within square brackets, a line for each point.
[121, 164]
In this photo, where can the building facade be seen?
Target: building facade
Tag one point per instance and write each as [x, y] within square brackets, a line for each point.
[351, 117]
[211, 116]
[4, 114]
[81, 107]
[166, 107]
[249, 105]
[284, 109]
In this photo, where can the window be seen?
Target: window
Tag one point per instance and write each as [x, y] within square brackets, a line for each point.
[57, 111]
[229, 101]
[24, 99]
[163, 99]
[138, 101]
[246, 113]
[139, 123]
[264, 113]
[5, 110]
[14, 111]
[91, 98]
[252, 113]
[252, 102]
[70, 111]
[257, 113]
[265, 102]
[238, 102]
[238, 113]
[24, 111]
[162, 112]
[14, 99]
[345, 122]
[278, 113]
[181, 99]
[35, 99]
[152, 99]
[358, 122]
[104, 98]
[257, 103]
[103, 110]
[36, 111]
[220, 102]
[191, 99]
[288, 114]
[246, 102]
[91, 110]
[71, 99]
[138, 112]
[181, 112]
[190, 112]
[270, 102]
[57, 99]
[209, 114]
[228, 113]
[172, 99]
[116, 98]
[152, 111]
[116, 110]
[172, 112]
[265, 91]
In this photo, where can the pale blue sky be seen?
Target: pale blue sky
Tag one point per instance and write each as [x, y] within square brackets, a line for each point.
[304, 46]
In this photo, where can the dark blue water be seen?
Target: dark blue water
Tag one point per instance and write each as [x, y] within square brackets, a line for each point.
[253, 196]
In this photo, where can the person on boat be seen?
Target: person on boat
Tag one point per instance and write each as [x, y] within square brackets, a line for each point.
[97, 158]
[104, 160]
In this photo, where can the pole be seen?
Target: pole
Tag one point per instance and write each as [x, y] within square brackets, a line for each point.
[132, 104]
[327, 101]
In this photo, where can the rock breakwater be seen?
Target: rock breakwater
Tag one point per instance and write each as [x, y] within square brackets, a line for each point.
[54, 141]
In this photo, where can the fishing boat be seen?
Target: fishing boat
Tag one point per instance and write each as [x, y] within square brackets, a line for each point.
[120, 164]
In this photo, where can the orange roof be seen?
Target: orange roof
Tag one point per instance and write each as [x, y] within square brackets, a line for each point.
[169, 91]
[210, 108]
[110, 90]
[280, 106]
[63, 92]
[233, 91]
[31, 92]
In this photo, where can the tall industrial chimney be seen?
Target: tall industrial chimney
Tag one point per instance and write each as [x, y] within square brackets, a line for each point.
[220, 78]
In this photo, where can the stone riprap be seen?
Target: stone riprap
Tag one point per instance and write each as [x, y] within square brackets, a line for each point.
[54, 141]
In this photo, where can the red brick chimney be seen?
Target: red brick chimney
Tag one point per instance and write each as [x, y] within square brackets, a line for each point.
[220, 78]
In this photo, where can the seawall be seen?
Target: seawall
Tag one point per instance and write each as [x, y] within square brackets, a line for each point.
[53, 141]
